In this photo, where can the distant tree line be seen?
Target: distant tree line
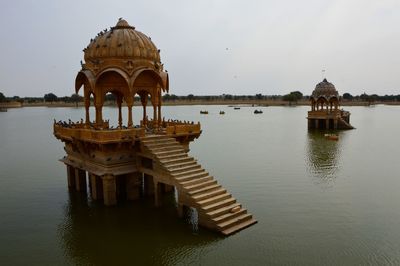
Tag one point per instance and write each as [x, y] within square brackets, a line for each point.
[371, 98]
[294, 96]
[51, 97]
[2, 97]
[224, 97]
[291, 97]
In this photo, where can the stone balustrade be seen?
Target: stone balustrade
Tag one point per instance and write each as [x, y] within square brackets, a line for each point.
[173, 127]
[97, 136]
[183, 129]
[324, 113]
[104, 134]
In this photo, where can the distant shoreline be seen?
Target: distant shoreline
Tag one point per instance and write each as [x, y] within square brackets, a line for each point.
[258, 103]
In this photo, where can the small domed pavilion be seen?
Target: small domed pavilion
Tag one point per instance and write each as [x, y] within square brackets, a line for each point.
[150, 158]
[325, 112]
[126, 63]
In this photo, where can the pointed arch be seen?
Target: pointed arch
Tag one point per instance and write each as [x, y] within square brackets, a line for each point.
[165, 78]
[85, 77]
[113, 80]
[147, 78]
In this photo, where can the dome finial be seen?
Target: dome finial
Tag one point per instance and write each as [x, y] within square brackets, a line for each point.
[123, 24]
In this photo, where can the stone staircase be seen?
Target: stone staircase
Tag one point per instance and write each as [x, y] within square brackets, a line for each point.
[344, 125]
[217, 208]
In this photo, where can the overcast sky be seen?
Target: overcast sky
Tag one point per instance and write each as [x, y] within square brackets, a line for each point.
[211, 47]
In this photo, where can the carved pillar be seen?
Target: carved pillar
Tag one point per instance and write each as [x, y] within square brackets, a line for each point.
[80, 180]
[148, 184]
[159, 113]
[71, 176]
[96, 187]
[144, 115]
[316, 123]
[130, 120]
[99, 115]
[87, 105]
[133, 185]
[109, 190]
[143, 98]
[326, 123]
[119, 103]
[154, 115]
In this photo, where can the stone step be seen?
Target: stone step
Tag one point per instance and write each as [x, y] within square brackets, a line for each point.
[162, 144]
[158, 141]
[223, 210]
[234, 221]
[229, 215]
[171, 152]
[172, 167]
[196, 181]
[189, 172]
[166, 148]
[218, 205]
[172, 156]
[200, 185]
[209, 194]
[167, 162]
[191, 177]
[214, 199]
[152, 137]
[204, 189]
[185, 168]
[239, 227]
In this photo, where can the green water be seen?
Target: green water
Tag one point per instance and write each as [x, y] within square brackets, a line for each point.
[317, 202]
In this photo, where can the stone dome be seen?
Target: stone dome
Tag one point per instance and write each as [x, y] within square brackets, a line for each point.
[324, 89]
[121, 46]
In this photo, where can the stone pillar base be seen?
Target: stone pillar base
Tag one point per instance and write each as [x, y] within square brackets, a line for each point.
[71, 176]
[96, 187]
[109, 190]
[133, 185]
[180, 209]
[157, 193]
[148, 184]
[80, 180]
[168, 188]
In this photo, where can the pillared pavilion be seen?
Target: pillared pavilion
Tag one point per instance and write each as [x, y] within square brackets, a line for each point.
[139, 156]
[325, 112]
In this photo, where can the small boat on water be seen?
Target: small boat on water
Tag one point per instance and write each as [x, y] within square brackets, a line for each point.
[221, 112]
[236, 108]
[204, 112]
[258, 111]
[332, 136]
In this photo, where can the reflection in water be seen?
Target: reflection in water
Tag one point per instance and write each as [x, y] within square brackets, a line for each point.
[323, 158]
[130, 233]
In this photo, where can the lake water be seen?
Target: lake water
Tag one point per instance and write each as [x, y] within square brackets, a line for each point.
[316, 201]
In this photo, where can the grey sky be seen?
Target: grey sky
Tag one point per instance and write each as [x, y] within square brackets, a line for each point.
[274, 47]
